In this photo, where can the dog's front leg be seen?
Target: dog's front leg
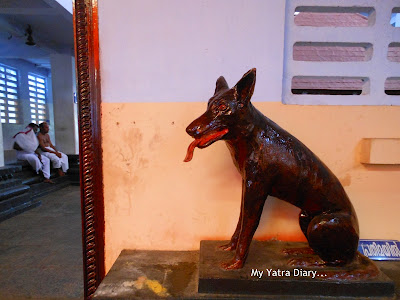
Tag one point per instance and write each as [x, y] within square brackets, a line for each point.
[235, 237]
[253, 199]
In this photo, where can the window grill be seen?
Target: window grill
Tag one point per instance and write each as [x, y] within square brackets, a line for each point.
[37, 97]
[8, 94]
[341, 55]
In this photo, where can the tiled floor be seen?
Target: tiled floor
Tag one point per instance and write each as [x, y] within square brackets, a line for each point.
[41, 250]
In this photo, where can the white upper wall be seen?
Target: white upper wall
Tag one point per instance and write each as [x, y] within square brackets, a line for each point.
[169, 51]
[67, 4]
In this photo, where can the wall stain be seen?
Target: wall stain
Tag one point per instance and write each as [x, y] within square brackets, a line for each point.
[131, 146]
[156, 140]
[143, 163]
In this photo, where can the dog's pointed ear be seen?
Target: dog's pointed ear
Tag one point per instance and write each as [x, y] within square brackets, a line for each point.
[245, 86]
[221, 85]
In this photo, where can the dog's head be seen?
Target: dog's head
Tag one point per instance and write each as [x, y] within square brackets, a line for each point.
[224, 111]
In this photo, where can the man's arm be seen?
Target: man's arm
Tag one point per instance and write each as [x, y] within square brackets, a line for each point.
[38, 154]
[17, 147]
[51, 145]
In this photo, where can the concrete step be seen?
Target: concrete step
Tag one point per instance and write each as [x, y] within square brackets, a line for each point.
[73, 159]
[20, 186]
[42, 188]
[31, 180]
[8, 172]
[17, 205]
[10, 169]
[26, 174]
[17, 199]
[30, 177]
[19, 164]
[5, 184]
[10, 192]
[74, 176]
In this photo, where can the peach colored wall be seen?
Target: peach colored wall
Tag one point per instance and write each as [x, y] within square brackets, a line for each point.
[153, 200]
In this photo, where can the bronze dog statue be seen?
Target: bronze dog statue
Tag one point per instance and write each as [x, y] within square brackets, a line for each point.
[273, 162]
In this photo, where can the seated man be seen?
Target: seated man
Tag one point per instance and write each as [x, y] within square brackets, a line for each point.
[26, 144]
[58, 159]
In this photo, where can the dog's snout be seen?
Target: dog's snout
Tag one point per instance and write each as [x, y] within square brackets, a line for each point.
[199, 126]
[193, 129]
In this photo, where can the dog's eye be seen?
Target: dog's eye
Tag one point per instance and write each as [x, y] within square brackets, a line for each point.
[222, 107]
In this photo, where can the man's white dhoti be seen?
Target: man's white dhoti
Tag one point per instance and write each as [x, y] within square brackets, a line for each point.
[28, 141]
[34, 161]
[56, 161]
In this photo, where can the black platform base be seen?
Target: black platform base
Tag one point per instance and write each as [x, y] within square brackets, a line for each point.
[146, 274]
[267, 272]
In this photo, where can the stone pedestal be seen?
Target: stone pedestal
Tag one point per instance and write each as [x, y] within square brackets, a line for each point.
[145, 274]
[267, 272]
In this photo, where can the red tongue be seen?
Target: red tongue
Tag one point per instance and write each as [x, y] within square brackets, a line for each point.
[202, 141]
[189, 154]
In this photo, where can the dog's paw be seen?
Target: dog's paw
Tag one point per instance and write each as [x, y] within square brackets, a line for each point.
[232, 265]
[227, 247]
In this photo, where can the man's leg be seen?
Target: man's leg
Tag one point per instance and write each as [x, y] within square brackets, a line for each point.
[36, 164]
[64, 162]
[55, 161]
[46, 168]
[31, 158]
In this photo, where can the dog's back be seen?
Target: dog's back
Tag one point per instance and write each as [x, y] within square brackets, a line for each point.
[296, 174]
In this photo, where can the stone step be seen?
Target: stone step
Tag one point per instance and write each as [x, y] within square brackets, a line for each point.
[74, 176]
[43, 188]
[25, 173]
[7, 193]
[73, 159]
[5, 184]
[19, 164]
[31, 180]
[15, 201]
[10, 169]
[20, 186]
[73, 169]
[17, 205]
[30, 177]
[8, 172]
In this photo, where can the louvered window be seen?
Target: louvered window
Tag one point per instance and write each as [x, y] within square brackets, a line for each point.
[8, 94]
[37, 97]
[342, 52]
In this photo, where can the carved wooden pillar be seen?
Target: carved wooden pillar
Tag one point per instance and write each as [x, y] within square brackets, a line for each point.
[90, 151]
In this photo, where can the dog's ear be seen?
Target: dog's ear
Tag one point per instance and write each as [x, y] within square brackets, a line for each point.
[245, 86]
[221, 85]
